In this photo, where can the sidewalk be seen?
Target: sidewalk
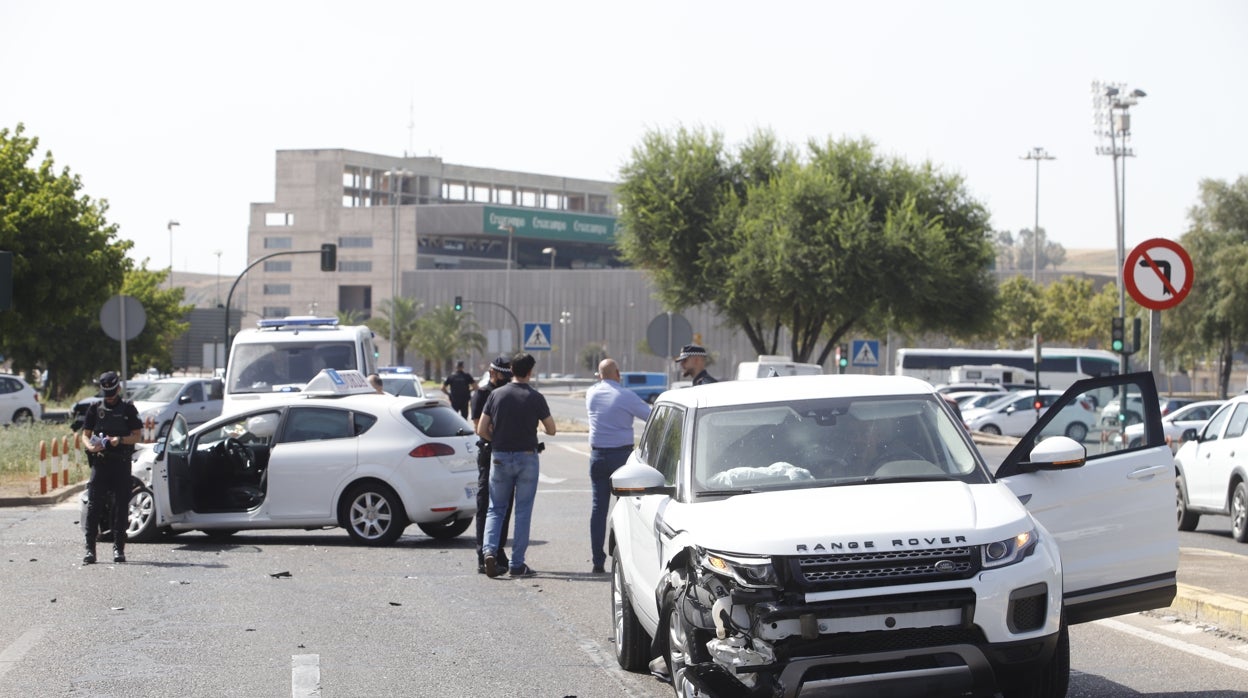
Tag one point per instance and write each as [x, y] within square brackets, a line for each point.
[56, 496]
[1206, 580]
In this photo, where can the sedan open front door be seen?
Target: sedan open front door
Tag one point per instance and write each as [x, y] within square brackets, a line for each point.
[171, 482]
[1112, 515]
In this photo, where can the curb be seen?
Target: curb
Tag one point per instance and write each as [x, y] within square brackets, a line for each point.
[60, 495]
[1229, 613]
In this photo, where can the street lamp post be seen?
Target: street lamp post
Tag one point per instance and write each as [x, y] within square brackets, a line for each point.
[565, 319]
[395, 177]
[170, 225]
[511, 231]
[1111, 105]
[217, 299]
[1036, 154]
[551, 251]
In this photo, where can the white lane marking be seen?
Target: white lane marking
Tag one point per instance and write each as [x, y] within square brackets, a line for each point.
[14, 652]
[573, 449]
[305, 675]
[1173, 643]
[550, 480]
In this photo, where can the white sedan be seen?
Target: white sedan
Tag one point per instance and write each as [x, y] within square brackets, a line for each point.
[1015, 413]
[338, 455]
[1191, 416]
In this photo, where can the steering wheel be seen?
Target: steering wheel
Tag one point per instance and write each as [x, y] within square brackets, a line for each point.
[239, 455]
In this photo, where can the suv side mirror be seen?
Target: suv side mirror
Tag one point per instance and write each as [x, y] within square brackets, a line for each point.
[1190, 435]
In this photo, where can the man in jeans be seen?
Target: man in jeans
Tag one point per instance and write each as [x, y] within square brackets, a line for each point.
[612, 409]
[509, 422]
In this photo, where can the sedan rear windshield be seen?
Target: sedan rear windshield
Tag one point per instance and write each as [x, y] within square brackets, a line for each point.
[438, 421]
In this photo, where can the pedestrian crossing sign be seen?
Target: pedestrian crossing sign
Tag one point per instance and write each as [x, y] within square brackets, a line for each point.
[866, 352]
[537, 336]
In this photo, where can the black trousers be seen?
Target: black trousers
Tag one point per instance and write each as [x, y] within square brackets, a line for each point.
[483, 503]
[109, 479]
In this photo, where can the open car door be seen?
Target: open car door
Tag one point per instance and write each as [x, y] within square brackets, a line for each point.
[1112, 515]
[171, 482]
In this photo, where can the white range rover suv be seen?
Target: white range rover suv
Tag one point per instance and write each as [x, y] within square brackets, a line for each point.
[843, 533]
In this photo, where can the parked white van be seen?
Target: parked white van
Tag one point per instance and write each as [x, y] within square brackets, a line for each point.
[282, 354]
[770, 365]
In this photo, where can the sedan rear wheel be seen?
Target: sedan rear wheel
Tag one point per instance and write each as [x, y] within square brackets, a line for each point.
[442, 530]
[1077, 431]
[991, 429]
[373, 514]
[1239, 513]
[23, 416]
[1187, 519]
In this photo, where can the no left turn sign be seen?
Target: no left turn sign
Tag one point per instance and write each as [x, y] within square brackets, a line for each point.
[1158, 274]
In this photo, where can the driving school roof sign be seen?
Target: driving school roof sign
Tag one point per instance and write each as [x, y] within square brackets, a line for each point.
[1158, 274]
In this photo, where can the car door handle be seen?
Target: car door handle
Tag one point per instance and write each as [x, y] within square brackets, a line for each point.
[1149, 472]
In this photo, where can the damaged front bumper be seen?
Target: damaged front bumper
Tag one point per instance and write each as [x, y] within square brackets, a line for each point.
[765, 641]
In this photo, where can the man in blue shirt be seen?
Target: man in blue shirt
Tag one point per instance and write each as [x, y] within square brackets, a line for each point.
[611, 409]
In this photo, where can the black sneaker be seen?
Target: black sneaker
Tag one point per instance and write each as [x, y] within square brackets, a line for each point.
[119, 556]
[89, 558]
[599, 569]
[491, 566]
[523, 571]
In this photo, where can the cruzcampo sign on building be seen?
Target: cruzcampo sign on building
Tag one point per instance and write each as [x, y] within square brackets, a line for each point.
[548, 225]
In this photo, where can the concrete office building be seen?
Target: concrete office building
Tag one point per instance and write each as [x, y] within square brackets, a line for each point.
[431, 231]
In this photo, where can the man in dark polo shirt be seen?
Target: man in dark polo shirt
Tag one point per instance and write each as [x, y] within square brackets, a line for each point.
[509, 422]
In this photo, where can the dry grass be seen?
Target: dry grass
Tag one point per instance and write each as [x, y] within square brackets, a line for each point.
[19, 457]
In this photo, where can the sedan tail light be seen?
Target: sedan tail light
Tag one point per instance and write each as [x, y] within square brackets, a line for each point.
[430, 450]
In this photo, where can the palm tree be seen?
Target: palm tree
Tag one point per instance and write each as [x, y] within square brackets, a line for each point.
[445, 333]
[353, 316]
[404, 312]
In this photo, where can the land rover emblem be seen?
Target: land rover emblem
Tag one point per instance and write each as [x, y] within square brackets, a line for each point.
[944, 566]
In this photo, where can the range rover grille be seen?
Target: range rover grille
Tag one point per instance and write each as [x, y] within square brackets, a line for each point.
[886, 567]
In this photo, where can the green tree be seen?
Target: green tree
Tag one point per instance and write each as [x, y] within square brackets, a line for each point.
[444, 333]
[405, 314]
[1212, 322]
[1016, 252]
[350, 317]
[67, 260]
[591, 355]
[1018, 314]
[844, 239]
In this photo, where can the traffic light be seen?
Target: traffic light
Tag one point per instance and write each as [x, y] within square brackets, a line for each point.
[842, 358]
[459, 303]
[329, 257]
[1117, 338]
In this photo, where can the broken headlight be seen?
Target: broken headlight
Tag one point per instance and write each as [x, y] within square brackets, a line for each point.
[746, 570]
[1008, 551]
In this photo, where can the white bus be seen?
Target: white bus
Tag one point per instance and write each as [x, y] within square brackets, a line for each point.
[1060, 368]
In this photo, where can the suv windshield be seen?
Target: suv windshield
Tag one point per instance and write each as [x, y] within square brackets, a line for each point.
[263, 368]
[833, 441]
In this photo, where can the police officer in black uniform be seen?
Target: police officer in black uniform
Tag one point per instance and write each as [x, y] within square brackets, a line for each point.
[692, 362]
[109, 433]
[500, 375]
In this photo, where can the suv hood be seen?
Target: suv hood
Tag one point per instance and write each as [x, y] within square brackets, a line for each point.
[857, 517]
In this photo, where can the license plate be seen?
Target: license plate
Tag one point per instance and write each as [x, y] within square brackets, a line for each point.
[471, 492]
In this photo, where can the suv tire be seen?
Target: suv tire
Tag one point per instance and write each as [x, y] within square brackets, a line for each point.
[631, 642]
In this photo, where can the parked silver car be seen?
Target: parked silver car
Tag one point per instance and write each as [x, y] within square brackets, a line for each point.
[198, 399]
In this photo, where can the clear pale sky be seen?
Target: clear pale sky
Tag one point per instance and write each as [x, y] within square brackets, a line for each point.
[175, 110]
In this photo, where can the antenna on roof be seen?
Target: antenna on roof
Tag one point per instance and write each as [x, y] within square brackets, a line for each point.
[411, 128]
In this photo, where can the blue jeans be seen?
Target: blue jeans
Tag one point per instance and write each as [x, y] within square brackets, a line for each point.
[602, 462]
[512, 474]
